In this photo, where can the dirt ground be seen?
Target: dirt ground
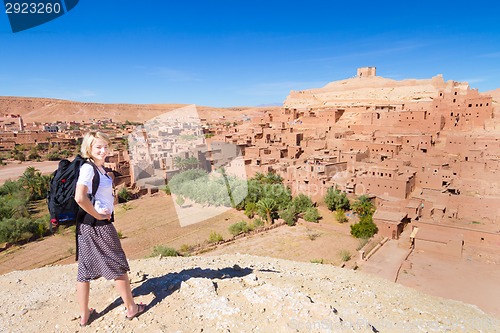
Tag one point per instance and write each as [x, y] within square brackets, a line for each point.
[151, 221]
[472, 279]
[14, 169]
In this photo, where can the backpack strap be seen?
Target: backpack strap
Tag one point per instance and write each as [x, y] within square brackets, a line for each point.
[96, 179]
[81, 213]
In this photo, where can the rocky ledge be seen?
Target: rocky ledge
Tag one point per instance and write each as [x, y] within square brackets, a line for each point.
[233, 293]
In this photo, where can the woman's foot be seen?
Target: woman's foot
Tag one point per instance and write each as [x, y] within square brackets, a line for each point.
[89, 317]
[137, 309]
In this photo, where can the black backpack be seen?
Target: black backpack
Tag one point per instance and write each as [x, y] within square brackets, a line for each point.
[63, 208]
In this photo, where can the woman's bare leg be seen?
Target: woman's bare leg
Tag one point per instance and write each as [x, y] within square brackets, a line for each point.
[123, 286]
[82, 294]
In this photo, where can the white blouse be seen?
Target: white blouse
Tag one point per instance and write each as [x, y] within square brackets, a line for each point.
[104, 196]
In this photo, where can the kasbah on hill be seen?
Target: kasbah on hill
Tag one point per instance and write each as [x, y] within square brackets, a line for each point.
[426, 152]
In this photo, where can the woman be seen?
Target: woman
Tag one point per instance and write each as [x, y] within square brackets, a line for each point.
[99, 250]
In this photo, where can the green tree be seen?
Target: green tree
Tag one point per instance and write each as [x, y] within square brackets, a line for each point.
[266, 208]
[270, 178]
[289, 215]
[312, 214]
[365, 228]
[33, 154]
[191, 163]
[334, 199]
[180, 163]
[35, 184]
[302, 203]
[250, 209]
[363, 206]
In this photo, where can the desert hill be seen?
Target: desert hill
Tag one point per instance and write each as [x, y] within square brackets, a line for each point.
[495, 94]
[233, 293]
[370, 90]
[50, 110]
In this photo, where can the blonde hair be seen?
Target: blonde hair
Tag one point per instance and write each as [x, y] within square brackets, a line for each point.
[88, 139]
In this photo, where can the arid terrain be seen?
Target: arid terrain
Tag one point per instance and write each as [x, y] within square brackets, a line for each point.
[248, 285]
[52, 110]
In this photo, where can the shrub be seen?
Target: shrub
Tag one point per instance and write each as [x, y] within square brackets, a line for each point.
[53, 156]
[185, 249]
[289, 215]
[313, 235]
[340, 216]
[318, 261]
[163, 251]
[312, 215]
[124, 195]
[180, 200]
[334, 199]
[302, 203]
[365, 228]
[250, 209]
[239, 228]
[20, 156]
[14, 230]
[345, 255]
[215, 237]
[167, 190]
[258, 223]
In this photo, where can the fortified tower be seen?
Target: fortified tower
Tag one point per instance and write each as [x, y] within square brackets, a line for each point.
[367, 71]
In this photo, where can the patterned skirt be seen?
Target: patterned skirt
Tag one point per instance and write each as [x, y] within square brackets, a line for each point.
[100, 253]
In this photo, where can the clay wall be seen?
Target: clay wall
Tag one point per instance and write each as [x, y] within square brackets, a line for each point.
[31, 137]
[385, 149]
[463, 108]
[397, 188]
[388, 229]
[470, 236]
[6, 144]
[353, 156]
[451, 248]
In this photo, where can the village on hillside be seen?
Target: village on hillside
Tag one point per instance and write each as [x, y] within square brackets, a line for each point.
[425, 152]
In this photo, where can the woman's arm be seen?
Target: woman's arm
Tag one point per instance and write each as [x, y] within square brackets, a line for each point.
[83, 201]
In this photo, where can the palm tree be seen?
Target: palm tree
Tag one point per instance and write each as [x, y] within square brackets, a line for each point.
[192, 162]
[259, 177]
[34, 183]
[273, 178]
[363, 206]
[179, 163]
[267, 208]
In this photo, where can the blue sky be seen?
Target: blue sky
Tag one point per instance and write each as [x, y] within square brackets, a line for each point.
[235, 53]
